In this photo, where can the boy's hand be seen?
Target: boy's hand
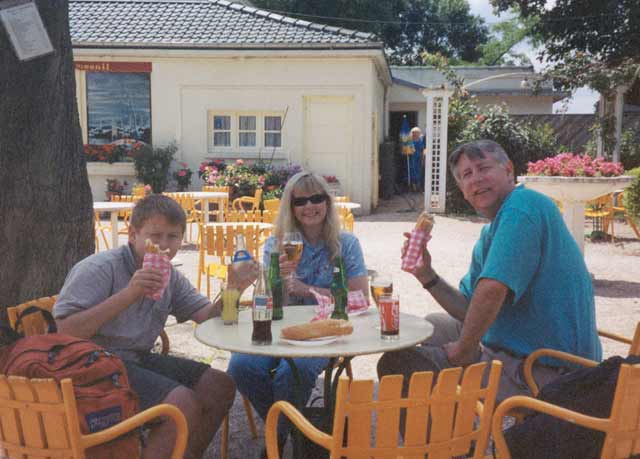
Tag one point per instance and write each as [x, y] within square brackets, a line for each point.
[247, 276]
[145, 281]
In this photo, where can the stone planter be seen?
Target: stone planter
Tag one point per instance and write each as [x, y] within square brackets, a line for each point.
[99, 173]
[573, 193]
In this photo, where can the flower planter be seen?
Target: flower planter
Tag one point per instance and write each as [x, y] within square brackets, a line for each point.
[573, 193]
[99, 173]
[334, 188]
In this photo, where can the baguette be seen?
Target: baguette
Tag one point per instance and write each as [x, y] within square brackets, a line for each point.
[318, 329]
[425, 222]
[150, 247]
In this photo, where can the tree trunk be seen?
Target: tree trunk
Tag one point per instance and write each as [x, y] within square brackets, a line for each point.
[45, 200]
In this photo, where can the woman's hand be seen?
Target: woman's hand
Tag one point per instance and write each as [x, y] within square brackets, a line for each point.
[296, 287]
[287, 268]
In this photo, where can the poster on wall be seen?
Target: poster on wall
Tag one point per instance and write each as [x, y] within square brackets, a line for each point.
[118, 108]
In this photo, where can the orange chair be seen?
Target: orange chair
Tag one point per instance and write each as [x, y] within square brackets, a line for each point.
[621, 428]
[253, 202]
[39, 419]
[600, 210]
[441, 422]
[222, 204]
[272, 205]
[619, 207]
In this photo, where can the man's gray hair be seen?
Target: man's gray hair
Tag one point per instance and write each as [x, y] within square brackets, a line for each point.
[478, 149]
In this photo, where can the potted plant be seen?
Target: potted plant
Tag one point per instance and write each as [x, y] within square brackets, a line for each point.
[152, 164]
[115, 188]
[334, 184]
[183, 177]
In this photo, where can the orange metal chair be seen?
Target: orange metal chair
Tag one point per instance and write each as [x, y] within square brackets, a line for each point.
[194, 216]
[253, 202]
[634, 349]
[39, 419]
[346, 219]
[272, 205]
[441, 422]
[101, 227]
[601, 211]
[621, 428]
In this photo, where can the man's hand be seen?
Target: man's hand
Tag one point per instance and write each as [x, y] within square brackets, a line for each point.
[145, 281]
[460, 357]
[423, 272]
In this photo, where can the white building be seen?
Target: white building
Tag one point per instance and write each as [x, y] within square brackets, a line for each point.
[229, 81]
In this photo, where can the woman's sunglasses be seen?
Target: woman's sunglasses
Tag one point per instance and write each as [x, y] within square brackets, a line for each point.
[314, 198]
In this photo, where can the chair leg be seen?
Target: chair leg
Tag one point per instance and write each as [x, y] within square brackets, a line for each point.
[249, 410]
[633, 225]
[224, 440]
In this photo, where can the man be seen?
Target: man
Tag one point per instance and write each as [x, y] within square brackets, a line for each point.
[527, 286]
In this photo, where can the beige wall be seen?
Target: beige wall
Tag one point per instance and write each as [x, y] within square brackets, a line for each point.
[185, 89]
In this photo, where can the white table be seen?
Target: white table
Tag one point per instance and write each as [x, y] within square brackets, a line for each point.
[206, 196]
[259, 225]
[113, 208]
[348, 205]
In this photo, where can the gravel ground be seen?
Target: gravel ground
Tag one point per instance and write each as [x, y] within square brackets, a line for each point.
[615, 267]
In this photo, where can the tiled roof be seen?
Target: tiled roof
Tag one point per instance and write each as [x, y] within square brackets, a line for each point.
[200, 24]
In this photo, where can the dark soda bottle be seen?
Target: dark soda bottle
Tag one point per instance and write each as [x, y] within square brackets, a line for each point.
[339, 291]
[262, 311]
[276, 285]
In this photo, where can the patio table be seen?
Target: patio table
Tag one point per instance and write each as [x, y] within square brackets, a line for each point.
[348, 205]
[364, 340]
[113, 208]
[206, 196]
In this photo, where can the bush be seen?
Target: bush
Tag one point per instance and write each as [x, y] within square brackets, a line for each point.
[632, 194]
[152, 164]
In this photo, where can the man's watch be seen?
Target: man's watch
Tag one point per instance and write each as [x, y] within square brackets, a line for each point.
[432, 283]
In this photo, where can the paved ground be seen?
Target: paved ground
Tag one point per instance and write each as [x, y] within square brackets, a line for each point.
[615, 267]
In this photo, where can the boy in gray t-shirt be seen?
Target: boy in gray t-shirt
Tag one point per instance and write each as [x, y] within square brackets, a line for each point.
[106, 298]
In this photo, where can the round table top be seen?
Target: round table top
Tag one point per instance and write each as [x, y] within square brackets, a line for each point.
[204, 194]
[348, 205]
[106, 206]
[260, 225]
[364, 340]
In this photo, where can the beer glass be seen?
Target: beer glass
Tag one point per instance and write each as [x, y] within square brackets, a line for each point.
[389, 308]
[381, 284]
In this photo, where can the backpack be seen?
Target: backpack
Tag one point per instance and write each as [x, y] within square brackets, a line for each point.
[588, 391]
[103, 395]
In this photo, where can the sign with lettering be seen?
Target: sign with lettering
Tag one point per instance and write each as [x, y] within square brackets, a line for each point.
[114, 67]
[25, 29]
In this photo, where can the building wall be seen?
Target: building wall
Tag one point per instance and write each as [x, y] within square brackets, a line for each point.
[185, 90]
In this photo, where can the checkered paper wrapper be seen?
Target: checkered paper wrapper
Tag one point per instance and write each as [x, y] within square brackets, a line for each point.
[413, 256]
[162, 263]
[357, 302]
[324, 308]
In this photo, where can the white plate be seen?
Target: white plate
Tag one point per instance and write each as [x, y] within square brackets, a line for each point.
[357, 313]
[311, 342]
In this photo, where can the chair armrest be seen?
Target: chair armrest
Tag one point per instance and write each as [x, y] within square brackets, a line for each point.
[518, 402]
[308, 429]
[139, 419]
[531, 359]
[237, 203]
[613, 336]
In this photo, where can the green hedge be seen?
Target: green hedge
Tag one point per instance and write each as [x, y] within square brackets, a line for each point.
[632, 195]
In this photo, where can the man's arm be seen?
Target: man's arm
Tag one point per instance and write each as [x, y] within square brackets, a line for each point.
[84, 324]
[447, 296]
[488, 298]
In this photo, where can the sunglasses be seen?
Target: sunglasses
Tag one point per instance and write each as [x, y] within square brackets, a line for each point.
[314, 198]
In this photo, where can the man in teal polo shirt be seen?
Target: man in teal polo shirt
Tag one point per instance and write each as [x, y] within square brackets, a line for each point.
[527, 287]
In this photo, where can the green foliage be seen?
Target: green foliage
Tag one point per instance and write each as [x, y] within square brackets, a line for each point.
[632, 194]
[505, 36]
[629, 145]
[152, 164]
[406, 27]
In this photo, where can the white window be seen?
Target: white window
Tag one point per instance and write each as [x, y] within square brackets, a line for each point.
[249, 131]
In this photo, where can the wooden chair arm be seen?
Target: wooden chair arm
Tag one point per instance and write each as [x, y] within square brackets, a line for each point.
[531, 359]
[165, 342]
[139, 419]
[518, 402]
[308, 429]
[613, 336]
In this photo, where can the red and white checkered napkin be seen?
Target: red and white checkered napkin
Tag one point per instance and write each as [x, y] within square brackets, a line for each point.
[324, 308]
[162, 263]
[356, 302]
[413, 256]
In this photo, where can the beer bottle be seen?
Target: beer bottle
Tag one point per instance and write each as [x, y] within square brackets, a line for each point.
[262, 311]
[339, 291]
[275, 283]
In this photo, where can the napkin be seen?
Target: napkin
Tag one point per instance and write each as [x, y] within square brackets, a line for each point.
[162, 263]
[413, 256]
[356, 301]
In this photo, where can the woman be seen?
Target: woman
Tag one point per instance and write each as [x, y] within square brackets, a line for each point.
[306, 207]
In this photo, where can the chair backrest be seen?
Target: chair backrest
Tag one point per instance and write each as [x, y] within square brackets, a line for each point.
[442, 421]
[622, 438]
[635, 342]
[219, 241]
[269, 216]
[604, 202]
[33, 324]
[38, 418]
[243, 216]
[271, 204]
[216, 188]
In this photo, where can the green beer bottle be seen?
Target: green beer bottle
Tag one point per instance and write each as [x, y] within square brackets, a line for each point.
[275, 282]
[339, 291]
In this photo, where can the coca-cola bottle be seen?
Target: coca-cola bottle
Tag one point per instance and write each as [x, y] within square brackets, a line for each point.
[262, 311]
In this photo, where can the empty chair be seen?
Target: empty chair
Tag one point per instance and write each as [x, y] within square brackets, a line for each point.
[272, 205]
[248, 202]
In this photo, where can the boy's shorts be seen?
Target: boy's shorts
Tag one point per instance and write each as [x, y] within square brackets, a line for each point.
[155, 375]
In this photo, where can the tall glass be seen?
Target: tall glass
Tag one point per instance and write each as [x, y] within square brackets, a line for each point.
[292, 246]
[381, 284]
[230, 300]
[389, 308]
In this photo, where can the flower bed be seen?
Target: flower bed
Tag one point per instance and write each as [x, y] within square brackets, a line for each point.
[570, 165]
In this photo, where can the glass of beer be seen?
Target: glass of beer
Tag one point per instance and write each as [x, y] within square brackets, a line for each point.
[389, 308]
[381, 284]
[292, 245]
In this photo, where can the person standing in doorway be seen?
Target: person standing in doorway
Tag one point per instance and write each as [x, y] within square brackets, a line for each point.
[416, 161]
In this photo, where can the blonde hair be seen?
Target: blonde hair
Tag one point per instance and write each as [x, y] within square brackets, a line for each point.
[309, 183]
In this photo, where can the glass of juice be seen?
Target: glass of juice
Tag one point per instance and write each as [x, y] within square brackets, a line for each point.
[230, 299]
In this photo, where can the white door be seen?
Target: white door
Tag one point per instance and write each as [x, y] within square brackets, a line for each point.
[328, 139]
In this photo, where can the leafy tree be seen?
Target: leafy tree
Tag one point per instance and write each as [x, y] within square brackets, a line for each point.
[45, 203]
[604, 29]
[407, 27]
[505, 36]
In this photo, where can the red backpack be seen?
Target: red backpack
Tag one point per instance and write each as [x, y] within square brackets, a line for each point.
[99, 378]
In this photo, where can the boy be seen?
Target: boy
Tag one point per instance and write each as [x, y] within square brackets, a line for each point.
[106, 298]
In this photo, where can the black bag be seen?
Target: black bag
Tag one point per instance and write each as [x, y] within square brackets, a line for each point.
[588, 391]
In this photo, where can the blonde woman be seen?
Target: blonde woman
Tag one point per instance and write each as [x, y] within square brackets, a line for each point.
[307, 207]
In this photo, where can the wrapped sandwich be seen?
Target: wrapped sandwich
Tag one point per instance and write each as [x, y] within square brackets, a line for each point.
[317, 329]
[158, 259]
[418, 239]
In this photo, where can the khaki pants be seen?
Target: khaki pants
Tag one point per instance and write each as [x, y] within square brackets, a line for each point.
[430, 356]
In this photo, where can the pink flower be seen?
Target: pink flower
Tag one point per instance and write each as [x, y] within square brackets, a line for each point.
[184, 165]
[182, 173]
[239, 162]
